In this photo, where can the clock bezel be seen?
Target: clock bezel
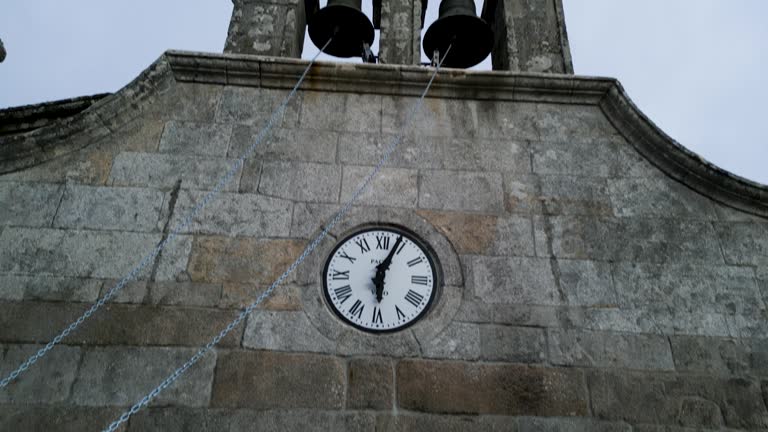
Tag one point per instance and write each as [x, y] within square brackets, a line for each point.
[419, 242]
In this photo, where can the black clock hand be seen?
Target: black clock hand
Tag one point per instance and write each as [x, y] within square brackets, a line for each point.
[381, 270]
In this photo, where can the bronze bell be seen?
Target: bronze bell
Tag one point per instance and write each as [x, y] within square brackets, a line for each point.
[458, 25]
[345, 21]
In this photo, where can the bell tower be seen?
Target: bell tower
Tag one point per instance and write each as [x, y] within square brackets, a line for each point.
[523, 35]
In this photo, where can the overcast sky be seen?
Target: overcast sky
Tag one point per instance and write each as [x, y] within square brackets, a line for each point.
[695, 67]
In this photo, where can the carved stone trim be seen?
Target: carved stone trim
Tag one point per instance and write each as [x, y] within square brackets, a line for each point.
[70, 134]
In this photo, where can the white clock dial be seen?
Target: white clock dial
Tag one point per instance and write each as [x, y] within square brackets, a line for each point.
[380, 279]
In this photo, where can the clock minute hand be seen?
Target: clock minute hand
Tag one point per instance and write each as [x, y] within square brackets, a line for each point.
[382, 268]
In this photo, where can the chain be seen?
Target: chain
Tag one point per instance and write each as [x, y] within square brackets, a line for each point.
[307, 251]
[223, 182]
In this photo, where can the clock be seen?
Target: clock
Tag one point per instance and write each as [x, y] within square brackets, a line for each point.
[380, 279]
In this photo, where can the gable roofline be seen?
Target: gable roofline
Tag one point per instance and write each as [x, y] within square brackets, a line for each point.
[103, 116]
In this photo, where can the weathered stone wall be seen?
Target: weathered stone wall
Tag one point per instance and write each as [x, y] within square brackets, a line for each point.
[584, 288]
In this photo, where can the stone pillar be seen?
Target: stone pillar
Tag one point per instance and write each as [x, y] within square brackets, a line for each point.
[400, 22]
[530, 35]
[267, 27]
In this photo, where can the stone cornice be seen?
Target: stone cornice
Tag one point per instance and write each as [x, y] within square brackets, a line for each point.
[70, 134]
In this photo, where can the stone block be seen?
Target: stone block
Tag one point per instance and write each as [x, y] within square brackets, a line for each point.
[299, 181]
[752, 326]
[656, 321]
[371, 384]
[738, 401]
[744, 243]
[525, 315]
[60, 418]
[255, 106]
[610, 350]
[235, 215]
[437, 117]
[284, 331]
[513, 344]
[392, 187]
[571, 124]
[170, 293]
[355, 343]
[587, 283]
[186, 102]
[556, 194]
[505, 119]
[458, 341]
[189, 419]
[633, 164]
[242, 260]
[479, 234]
[116, 324]
[186, 138]
[29, 204]
[36, 288]
[181, 419]
[239, 295]
[173, 262]
[122, 376]
[165, 170]
[636, 239]
[677, 399]
[473, 191]
[111, 208]
[473, 154]
[285, 381]
[514, 281]
[698, 412]
[588, 159]
[631, 397]
[658, 197]
[410, 422]
[48, 252]
[133, 292]
[688, 287]
[46, 382]
[303, 420]
[570, 424]
[466, 388]
[285, 144]
[340, 111]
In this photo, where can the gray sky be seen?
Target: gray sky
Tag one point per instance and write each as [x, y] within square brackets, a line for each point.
[693, 66]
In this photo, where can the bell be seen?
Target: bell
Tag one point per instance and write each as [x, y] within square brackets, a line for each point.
[458, 25]
[345, 21]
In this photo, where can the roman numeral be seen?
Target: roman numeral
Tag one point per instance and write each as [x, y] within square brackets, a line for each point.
[414, 298]
[400, 314]
[377, 316]
[343, 293]
[419, 280]
[357, 309]
[344, 255]
[341, 275]
[382, 242]
[363, 245]
[402, 245]
[414, 261]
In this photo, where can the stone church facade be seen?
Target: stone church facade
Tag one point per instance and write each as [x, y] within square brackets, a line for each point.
[596, 276]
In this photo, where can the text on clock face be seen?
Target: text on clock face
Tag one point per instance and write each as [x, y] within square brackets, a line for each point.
[379, 279]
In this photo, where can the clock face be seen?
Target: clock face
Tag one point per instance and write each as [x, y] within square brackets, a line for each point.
[380, 279]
